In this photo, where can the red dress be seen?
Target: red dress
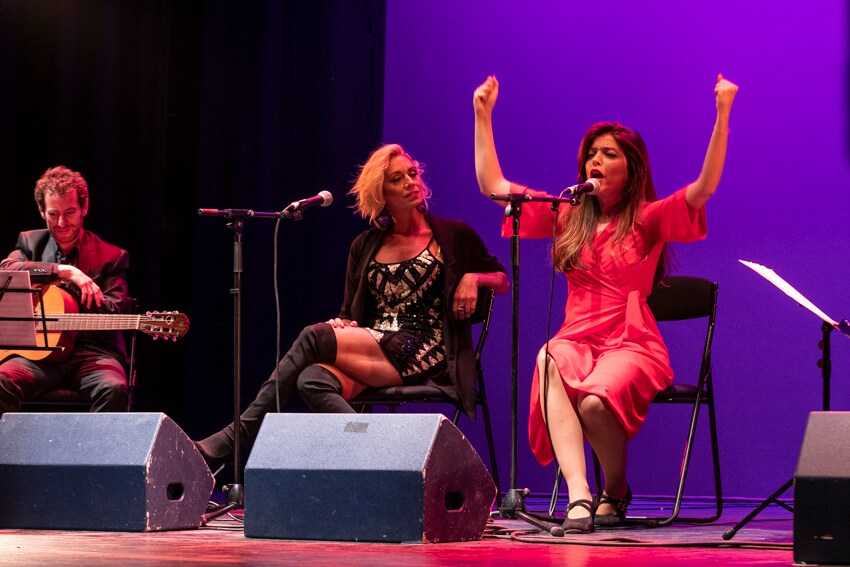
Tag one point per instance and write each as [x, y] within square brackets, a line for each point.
[609, 344]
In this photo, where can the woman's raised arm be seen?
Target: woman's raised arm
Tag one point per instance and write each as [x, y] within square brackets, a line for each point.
[487, 168]
[698, 192]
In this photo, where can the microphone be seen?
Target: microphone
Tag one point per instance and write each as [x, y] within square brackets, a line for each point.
[591, 187]
[293, 209]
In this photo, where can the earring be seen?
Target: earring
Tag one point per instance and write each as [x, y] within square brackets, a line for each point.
[384, 220]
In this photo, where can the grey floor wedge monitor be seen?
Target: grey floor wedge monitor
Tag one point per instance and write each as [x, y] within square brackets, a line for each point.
[365, 477]
[134, 472]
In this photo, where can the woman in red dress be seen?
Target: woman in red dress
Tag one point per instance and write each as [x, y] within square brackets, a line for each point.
[597, 376]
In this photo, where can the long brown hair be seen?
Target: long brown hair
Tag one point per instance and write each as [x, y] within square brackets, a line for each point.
[579, 227]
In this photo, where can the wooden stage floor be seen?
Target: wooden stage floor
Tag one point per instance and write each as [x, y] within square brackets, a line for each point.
[764, 541]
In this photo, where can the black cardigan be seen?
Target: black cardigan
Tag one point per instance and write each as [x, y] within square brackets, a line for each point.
[463, 251]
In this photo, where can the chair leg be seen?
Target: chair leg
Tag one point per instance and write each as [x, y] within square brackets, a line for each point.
[683, 474]
[715, 457]
[488, 428]
[491, 448]
[494, 467]
[597, 476]
[677, 504]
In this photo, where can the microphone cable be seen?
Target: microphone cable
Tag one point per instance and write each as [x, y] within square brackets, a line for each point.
[544, 380]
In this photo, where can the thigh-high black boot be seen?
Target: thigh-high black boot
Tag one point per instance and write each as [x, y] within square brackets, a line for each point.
[316, 343]
[321, 391]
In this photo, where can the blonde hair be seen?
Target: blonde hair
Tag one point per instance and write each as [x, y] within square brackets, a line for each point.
[368, 188]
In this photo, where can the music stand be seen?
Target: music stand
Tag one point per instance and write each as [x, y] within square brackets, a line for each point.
[826, 372]
[18, 321]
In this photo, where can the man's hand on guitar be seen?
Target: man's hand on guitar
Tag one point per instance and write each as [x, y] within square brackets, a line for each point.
[89, 291]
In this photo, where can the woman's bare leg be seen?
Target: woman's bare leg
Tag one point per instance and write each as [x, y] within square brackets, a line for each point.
[360, 363]
[360, 358]
[565, 431]
[609, 442]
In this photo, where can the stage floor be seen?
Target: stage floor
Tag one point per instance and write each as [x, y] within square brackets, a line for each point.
[764, 541]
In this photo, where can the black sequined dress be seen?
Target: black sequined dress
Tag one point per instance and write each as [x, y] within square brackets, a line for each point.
[404, 315]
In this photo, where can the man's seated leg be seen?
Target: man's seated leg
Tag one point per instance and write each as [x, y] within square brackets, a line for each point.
[103, 380]
[22, 379]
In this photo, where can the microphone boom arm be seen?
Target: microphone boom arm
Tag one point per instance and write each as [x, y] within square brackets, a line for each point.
[518, 198]
[241, 214]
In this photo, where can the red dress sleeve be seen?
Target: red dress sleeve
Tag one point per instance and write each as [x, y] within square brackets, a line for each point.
[673, 220]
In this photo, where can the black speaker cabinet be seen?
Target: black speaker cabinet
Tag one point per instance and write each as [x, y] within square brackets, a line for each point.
[365, 477]
[822, 491]
[100, 471]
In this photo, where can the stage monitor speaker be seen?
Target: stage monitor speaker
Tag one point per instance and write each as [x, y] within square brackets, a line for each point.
[100, 471]
[822, 491]
[410, 478]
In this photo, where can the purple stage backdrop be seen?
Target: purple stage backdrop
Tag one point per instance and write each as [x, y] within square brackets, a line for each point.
[783, 201]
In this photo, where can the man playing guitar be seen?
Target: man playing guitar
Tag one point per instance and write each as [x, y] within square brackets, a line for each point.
[93, 275]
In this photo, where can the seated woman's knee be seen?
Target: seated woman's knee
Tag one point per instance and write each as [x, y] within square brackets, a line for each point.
[542, 357]
[311, 329]
[590, 405]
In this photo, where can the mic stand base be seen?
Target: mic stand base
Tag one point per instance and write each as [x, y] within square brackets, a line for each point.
[235, 501]
[513, 508]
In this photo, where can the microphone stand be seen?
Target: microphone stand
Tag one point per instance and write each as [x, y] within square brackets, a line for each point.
[235, 491]
[513, 504]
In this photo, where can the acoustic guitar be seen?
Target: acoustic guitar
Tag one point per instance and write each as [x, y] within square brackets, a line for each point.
[63, 320]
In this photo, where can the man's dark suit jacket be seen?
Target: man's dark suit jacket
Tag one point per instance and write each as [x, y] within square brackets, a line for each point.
[36, 252]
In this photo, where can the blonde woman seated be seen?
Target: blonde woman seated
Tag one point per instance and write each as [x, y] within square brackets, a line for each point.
[411, 286]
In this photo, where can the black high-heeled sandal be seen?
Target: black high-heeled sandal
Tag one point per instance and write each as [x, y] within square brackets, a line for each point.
[579, 525]
[621, 505]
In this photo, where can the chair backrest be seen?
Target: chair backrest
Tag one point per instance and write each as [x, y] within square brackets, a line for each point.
[683, 297]
[677, 298]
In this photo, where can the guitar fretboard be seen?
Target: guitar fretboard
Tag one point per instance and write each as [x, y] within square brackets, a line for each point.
[91, 322]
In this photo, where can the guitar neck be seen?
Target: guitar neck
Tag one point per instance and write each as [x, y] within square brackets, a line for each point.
[91, 322]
